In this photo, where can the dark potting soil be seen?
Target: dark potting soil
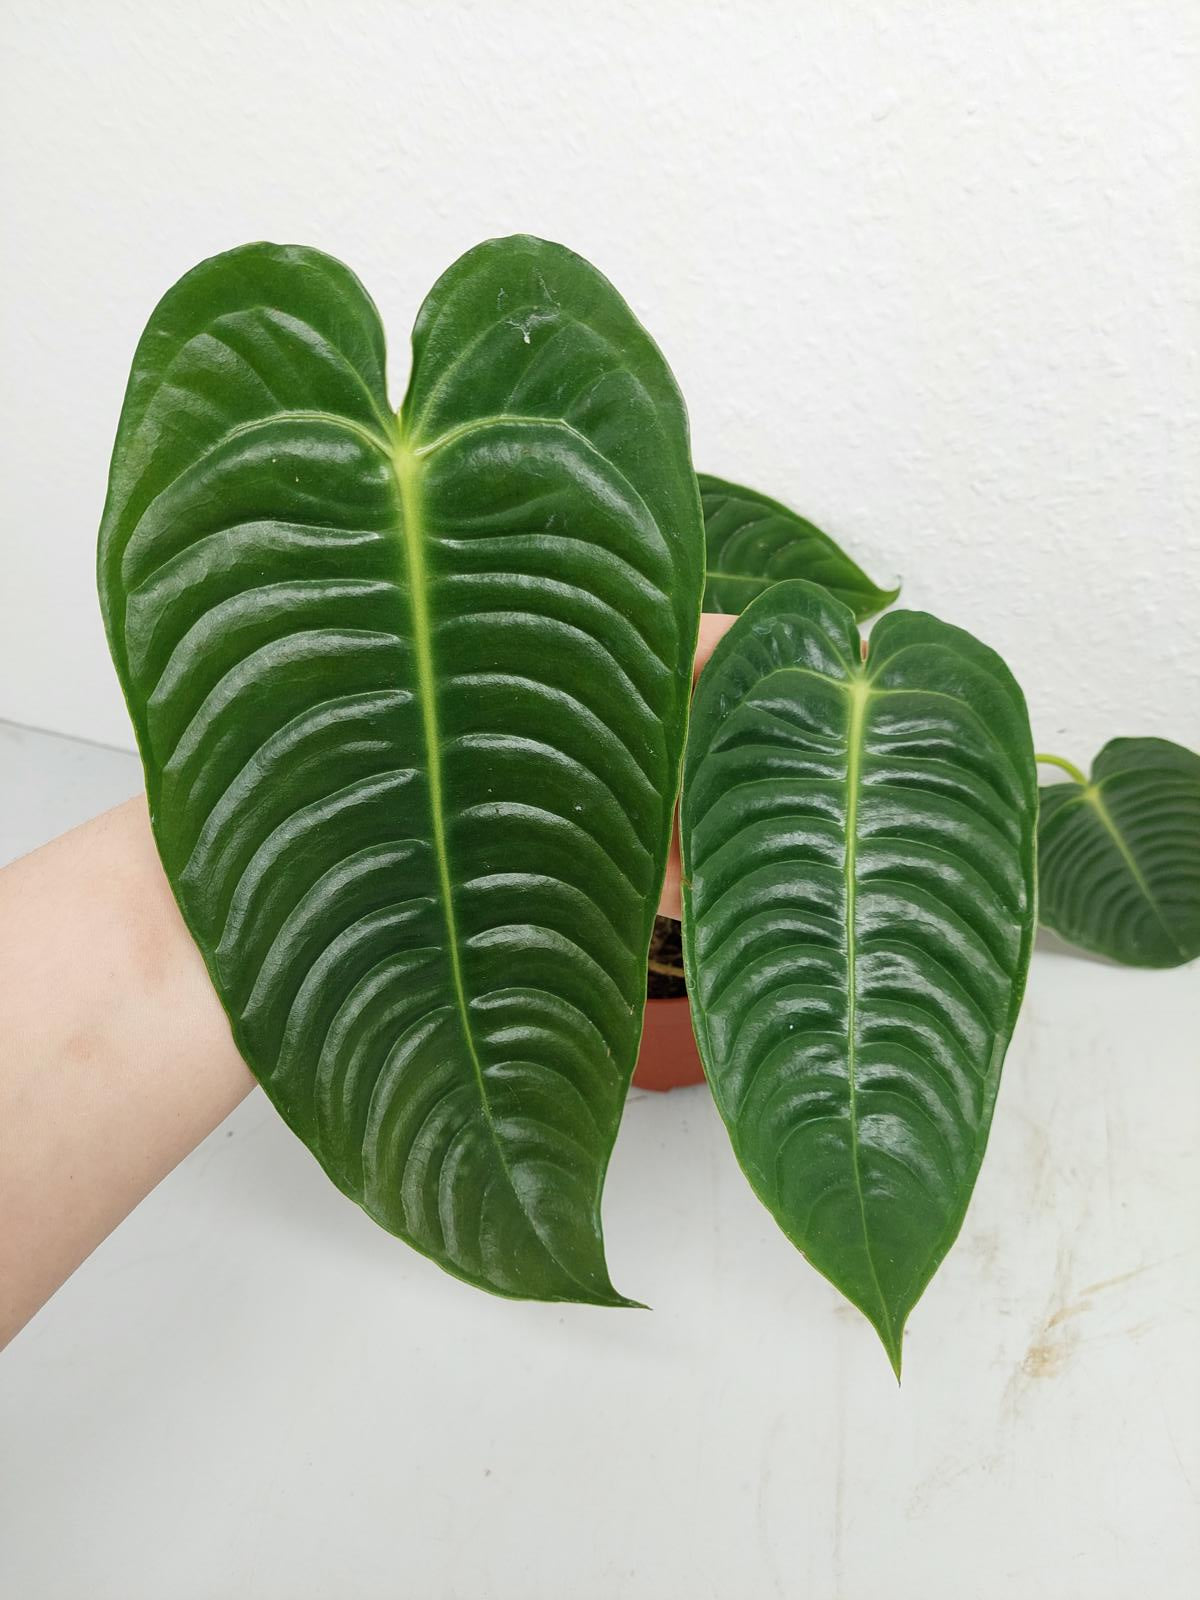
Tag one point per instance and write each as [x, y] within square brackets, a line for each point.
[664, 976]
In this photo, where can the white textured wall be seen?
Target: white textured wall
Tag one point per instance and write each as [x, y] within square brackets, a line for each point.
[928, 271]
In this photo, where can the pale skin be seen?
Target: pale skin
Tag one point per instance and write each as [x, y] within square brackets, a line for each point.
[116, 1058]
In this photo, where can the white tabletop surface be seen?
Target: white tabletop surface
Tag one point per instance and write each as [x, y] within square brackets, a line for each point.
[252, 1391]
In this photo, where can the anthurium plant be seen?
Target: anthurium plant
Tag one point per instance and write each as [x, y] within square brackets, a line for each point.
[411, 689]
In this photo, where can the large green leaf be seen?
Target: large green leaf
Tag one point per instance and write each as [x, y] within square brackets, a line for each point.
[754, 542]
[1119, 856]
[858, 845]
[410, 693]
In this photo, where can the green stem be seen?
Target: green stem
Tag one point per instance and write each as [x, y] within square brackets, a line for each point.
[1068, 767]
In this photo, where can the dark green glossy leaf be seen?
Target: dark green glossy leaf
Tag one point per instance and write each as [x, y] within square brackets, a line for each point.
[754, 542]
[1119, 856]
[410, 695]
[858, 847]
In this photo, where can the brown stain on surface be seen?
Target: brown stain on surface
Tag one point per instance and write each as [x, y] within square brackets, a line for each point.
[1048, 1357]
[1121, 1277]
[1050, 1353]
[1068, 1312]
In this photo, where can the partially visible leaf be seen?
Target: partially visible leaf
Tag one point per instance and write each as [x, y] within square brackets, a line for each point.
[410, 694]
[858, 852]
[1119, 857]
[754, 542]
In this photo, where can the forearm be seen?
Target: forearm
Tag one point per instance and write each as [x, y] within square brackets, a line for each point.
[116, 1058]
[115, 1055]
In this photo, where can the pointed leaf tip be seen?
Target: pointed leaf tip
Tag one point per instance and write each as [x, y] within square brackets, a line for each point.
[754, 541]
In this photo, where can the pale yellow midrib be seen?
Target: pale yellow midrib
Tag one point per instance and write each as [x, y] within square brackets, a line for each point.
[859, 692]
[407, 471]
[1095, 799]
[408, 483]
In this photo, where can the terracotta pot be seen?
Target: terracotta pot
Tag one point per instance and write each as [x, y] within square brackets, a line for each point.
[668, 1058]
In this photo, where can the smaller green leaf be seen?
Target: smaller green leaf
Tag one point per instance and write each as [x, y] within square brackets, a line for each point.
[1119, 856]
[754, 542]
[858, 912]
